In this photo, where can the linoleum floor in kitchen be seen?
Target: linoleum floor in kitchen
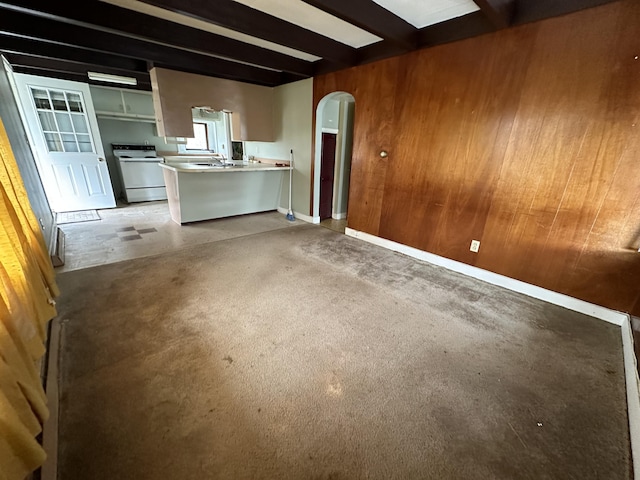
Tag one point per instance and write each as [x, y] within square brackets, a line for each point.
[142, 229]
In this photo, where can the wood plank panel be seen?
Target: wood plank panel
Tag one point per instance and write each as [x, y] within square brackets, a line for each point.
[554, 122]
[452, 118]
[613, 238]
[373, 130]
[527, 139]
[566, 107]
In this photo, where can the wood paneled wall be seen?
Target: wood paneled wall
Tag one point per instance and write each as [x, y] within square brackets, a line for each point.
[527, 139]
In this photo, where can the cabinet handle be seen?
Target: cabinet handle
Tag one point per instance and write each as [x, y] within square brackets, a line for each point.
[100, 159]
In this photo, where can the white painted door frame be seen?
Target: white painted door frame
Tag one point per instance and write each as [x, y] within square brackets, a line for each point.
[72, 180]
[340, 154]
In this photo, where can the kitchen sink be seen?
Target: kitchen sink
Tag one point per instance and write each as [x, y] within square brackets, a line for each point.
[216, 164]
[205, 165]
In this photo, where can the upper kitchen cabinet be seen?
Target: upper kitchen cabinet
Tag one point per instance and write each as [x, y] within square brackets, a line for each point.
[176, 93]
[122, 104]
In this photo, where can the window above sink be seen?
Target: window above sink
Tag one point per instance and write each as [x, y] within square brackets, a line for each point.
[211, 133]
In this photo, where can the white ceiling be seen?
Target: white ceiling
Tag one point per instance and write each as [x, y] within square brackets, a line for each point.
[422, 13]
[208, 27]
[419, 13]
[314, 19]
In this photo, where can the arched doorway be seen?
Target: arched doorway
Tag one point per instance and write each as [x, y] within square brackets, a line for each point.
[333, 148]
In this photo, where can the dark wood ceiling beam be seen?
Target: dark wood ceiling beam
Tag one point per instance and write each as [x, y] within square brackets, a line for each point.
[107, 17]
[373, 18]
[70, 67]
[459, 28]
[534, 10]
[12, 44]
[250, 21]
[466, 26]
[377, 51]
[54, 32]
[499, 12]
[30, 26]
[74, 77]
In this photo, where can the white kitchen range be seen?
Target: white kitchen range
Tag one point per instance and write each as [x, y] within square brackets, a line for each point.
[141, 176]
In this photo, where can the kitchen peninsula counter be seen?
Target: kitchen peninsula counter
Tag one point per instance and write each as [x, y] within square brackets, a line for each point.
[202, 192]
[188, 167]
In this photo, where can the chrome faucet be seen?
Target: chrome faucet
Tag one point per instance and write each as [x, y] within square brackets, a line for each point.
[218, 158]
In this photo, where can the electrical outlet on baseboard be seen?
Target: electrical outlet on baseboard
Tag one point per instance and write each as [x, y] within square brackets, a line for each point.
[475, 246]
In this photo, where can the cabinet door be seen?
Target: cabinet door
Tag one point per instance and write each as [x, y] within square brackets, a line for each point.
[138, 103]
[236, 132]
[107, 100]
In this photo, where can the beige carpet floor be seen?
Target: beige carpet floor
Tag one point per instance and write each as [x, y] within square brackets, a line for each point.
[304, 354]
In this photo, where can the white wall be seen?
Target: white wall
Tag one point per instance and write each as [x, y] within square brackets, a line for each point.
[335, 113]
[331, 114]
[343, 158]
[222, 134]
[293, 118]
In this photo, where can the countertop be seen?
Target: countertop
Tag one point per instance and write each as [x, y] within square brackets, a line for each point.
[186, 167]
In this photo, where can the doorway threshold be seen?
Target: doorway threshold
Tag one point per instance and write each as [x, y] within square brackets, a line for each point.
[333, 224]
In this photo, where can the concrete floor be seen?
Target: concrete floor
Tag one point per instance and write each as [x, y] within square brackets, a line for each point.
[301, 353]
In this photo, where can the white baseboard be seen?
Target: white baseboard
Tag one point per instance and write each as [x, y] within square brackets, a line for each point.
[621, 319]
[299, 215]
[339, 216]
[603, 313]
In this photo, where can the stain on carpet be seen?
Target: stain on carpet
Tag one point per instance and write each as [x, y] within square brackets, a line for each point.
[348, 361]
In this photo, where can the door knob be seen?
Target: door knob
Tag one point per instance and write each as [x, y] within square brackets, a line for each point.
[384, 154]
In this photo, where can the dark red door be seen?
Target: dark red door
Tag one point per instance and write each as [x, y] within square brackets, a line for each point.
[327, 166]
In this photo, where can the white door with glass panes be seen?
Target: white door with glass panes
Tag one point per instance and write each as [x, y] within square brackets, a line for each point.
[64, 133]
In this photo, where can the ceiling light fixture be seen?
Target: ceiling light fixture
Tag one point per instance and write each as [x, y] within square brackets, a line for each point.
[106, 77]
